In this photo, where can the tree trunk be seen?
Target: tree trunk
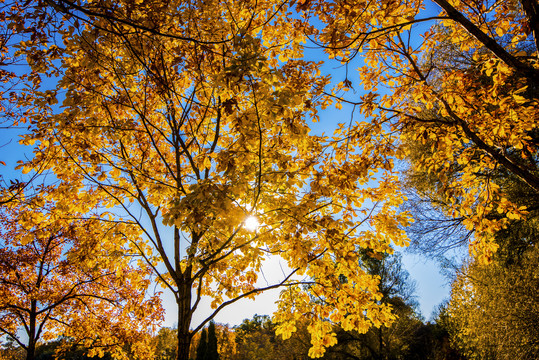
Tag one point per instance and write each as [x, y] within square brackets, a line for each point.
[184, 320]
[476, 32]
[31, 349]
[381, 354]
[184, 342]
[531, 8]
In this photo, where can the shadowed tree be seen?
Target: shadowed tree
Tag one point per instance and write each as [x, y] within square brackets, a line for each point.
[212, 353]
[202, 348]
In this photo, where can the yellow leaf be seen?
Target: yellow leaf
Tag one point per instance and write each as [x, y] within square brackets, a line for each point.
[115, 173]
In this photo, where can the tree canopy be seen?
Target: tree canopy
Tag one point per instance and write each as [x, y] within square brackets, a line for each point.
[182, 122]
[59, 276]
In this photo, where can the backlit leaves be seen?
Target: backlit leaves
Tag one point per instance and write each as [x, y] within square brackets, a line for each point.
[61, 274]
[466, 89]
[184, 119]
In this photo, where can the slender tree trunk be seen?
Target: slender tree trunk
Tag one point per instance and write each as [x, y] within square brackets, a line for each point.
[381, 344]
[184, 320]
[31, 349]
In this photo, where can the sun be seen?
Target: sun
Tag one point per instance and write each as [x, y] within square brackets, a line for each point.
[251, 223]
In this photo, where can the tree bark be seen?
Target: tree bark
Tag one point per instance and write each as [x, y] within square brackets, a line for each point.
[31, 349]
[184, 320]
[531, 8]
[489, 43]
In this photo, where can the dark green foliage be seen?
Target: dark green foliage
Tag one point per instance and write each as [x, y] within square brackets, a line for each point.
[207, 345]
[211, 349]
[202, 345]
[432, 341]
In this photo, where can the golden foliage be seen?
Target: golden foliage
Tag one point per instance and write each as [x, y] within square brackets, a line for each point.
[494, 309]
[466, 87]
[185, 118]
[61, 273]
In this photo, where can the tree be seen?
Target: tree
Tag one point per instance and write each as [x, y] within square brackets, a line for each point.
[226, 341]
[62, 349]
[432, 340]
[207, 344]
[256, 339]
[186, 130]
[58, 276]
[478, 314]
[384, 341]
[494, 309]
[165, 344]
[202, 348]
[10, 351]
[482, 117]
[212, 352]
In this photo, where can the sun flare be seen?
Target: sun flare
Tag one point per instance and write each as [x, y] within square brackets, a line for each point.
[251, 223]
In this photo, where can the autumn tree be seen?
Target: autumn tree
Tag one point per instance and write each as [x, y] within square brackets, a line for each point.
[186, 119]
[59, 277]
[478, 294]
[11, 351]
[226, 341]
[482, 305]
[256, 339]
[479, 313]
[165, 344]
[494, 309]
[384, 341]
[482, 116]
[435, 233]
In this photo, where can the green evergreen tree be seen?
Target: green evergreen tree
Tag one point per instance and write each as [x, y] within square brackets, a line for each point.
[211, 350]
[202, 346]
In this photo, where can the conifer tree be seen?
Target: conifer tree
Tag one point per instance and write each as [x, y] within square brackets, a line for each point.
[211, 348]
[202, 346]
